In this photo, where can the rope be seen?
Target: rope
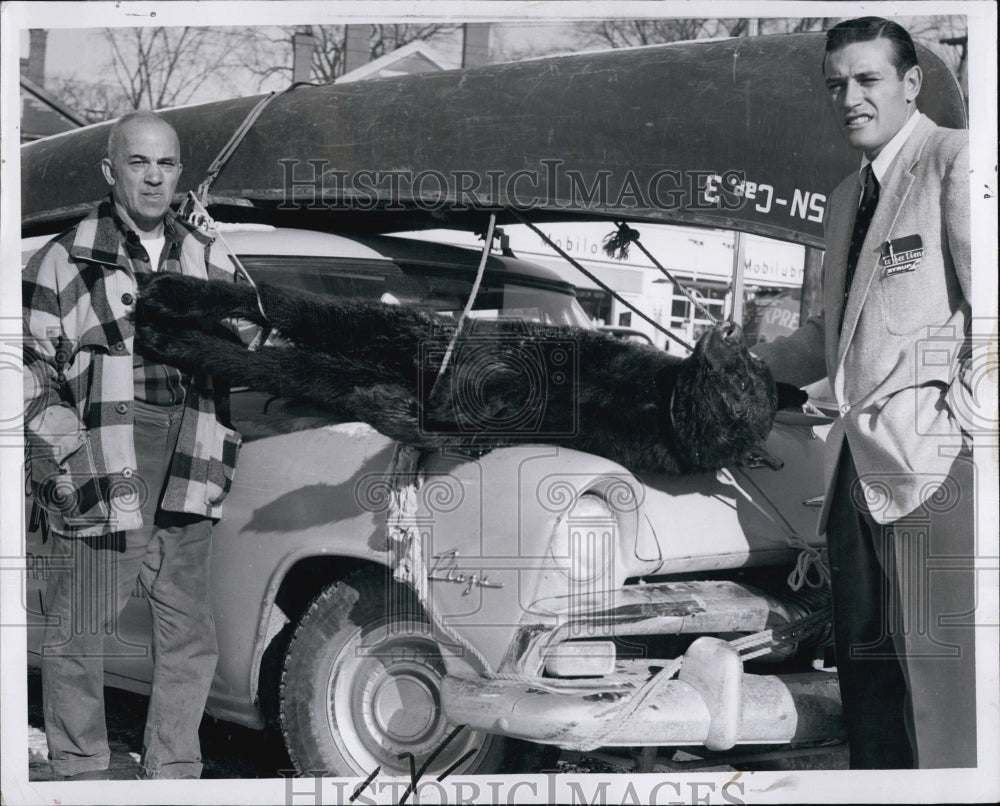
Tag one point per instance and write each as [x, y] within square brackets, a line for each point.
[760, 643]
[645, 693]
[619, 242]
[596, 281]
[405, 479]
[468, 303]
[809, 558]
[748, 647]
[237, 137]
[200, 218]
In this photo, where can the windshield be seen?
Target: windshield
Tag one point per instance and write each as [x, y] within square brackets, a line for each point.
[437, 289]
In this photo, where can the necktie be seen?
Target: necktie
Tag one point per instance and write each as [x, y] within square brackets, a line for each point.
[866, 210]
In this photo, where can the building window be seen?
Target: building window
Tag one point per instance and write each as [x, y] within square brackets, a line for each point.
[596, 303]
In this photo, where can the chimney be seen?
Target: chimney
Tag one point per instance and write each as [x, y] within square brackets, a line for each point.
[475, 44]
[36, 56]
[303, 43]
[356, 48]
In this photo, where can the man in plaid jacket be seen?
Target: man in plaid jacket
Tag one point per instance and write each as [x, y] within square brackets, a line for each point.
[129, 462]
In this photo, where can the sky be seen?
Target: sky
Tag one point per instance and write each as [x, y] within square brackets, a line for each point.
[84, 53]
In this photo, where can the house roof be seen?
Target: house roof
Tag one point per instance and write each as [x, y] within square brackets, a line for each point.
[416, 57]
[42, 114]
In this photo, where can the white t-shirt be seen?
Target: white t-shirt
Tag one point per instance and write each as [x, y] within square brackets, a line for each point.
[154, 246]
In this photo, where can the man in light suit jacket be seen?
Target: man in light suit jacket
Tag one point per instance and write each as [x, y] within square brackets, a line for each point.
[892, 339]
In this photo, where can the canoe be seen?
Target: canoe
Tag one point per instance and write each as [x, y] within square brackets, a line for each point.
[733, 133]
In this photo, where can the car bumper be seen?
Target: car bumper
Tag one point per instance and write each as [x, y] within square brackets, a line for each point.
[711, 701]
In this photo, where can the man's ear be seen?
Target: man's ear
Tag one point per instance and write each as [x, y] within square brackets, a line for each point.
[912, 79]
[108, 171]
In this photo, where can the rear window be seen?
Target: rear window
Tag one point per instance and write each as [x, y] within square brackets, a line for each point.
[433, 288]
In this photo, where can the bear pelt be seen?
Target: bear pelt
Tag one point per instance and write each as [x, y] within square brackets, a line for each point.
[505, 383]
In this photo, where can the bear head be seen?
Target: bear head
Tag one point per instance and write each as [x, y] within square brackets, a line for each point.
[718, 403]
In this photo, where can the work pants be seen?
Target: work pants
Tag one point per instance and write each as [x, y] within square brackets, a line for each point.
[903, 602]
[91, 583]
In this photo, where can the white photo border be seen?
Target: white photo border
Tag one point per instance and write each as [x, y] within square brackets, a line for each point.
[981, 785]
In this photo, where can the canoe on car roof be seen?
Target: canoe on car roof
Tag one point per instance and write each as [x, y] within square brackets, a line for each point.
[732, 133]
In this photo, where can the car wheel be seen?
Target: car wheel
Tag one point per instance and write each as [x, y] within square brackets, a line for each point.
[361, 686]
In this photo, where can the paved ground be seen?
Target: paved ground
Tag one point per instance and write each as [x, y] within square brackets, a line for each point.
[231, 751]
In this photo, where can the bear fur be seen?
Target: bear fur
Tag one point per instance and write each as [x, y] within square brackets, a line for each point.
[506, 382]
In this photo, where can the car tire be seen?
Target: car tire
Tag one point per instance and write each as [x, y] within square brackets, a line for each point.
[361, 686]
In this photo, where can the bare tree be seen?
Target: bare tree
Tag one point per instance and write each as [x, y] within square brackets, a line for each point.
[795, 25]
[939, 33]
[267, 52]
[633, 33]
[94, 101]
[159, 67]
[148, 68]
[943, 34]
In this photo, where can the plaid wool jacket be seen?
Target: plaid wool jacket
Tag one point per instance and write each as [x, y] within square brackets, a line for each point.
[78, 294]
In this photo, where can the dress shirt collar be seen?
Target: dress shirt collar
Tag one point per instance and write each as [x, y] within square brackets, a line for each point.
[880, 165]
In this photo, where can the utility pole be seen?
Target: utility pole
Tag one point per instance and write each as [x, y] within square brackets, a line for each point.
[739, 242]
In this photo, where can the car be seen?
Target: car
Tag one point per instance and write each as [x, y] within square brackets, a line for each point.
[543, 591]
[626, 334]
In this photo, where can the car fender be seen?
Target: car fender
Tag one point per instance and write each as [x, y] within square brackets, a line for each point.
[487, 540]
[704, 522]
[295, 496]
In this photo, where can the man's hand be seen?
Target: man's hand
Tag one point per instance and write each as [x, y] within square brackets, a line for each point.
[791, 397]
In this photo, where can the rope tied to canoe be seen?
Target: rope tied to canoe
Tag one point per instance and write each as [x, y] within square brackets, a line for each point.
[405, 477]
[616, 245]
[597, 281]
[468, 303]
[237, 137]
[194, 209]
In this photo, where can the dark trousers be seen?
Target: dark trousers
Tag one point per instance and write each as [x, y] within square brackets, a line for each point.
[169, 558]
[903, 602]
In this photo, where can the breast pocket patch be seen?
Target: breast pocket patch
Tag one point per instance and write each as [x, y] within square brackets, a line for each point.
[901, 255]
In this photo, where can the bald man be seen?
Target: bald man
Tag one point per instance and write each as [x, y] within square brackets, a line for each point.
[129, 464]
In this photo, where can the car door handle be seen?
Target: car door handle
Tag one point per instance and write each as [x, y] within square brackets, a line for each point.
[815, 501]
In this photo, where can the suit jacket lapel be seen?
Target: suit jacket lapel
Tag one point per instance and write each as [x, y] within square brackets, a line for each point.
[892, 196]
